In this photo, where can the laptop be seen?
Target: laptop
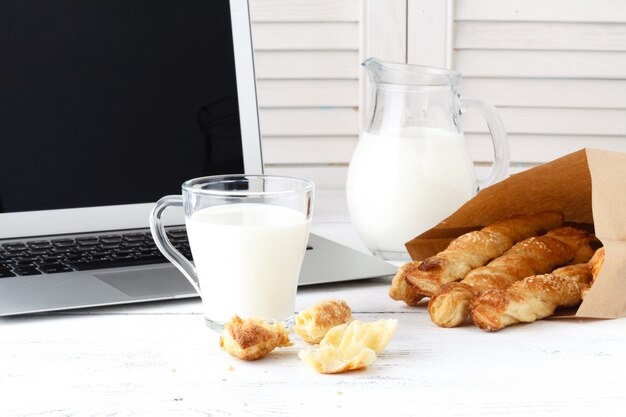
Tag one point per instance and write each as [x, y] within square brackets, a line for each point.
[106, 106]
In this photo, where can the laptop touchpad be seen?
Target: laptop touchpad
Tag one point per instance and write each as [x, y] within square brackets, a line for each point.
[148, 282]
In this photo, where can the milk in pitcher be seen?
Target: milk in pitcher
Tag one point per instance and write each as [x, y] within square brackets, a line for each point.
[401, 183]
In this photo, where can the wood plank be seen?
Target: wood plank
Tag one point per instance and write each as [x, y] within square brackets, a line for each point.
[541, 148]
[304, 10]
[309, 122]
[307, 149]
[133, 361]
[305, 36]
[383, 30]
[307, 64]
[556, 121]
[549, 64]
[324, 177]
[548, 92]
[541, 10]
[429, 30]
[308, 93]
[334, 177]
[525, 149]
[540, 35]
[380, 42]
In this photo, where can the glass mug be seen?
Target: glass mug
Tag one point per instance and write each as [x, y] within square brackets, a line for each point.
[248, 235]
[410, 169]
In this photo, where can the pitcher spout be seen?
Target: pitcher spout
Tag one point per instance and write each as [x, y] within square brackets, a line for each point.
[373, 66]
[381, 72]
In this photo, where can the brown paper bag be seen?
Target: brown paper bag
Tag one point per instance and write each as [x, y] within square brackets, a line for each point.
[588, 186]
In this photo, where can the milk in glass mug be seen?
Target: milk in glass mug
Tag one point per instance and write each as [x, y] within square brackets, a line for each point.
[248, 235]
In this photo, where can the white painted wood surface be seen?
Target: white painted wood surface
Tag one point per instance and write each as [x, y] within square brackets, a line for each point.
[524, 147]
[383, 36]
[611, 11]
[556, 70]
[541, 64]
[159, 359]
[429, 32]
[304, 10]
[540, 35]
[307, 57]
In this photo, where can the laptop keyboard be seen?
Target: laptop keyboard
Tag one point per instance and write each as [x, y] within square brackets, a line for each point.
[86, 252]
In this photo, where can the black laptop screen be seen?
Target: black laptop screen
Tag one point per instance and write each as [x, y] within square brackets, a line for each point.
[113, 101]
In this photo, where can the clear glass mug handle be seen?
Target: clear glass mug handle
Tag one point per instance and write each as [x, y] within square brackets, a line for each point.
[163, 243]
[501, 156]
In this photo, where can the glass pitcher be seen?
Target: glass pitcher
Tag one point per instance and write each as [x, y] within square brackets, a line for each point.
[410, 169]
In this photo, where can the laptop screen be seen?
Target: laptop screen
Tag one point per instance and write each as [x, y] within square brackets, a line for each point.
[108, 102]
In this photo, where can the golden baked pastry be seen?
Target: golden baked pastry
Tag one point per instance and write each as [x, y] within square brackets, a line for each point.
[252, 339]
[401, 290]
[313, 323]
[449, 306]
[530, 299]
[596, 263]
[350, 346]
[475, 249]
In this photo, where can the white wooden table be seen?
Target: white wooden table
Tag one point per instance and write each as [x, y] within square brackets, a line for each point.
[159, 359]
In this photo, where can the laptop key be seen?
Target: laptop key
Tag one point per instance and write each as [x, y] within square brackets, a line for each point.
[51, 258]
[62, 250]
[135, 237]
[110, 239]
[11, 247]
[54, 268]
[63, 239]
[101, 253]
[16, 251]
[38, 252]
[110, 246]
[39, 244]
[150, 256]
[26, 259]
[83, 249]
[6, 273]
[114, 263]
[27, 271]
[177, 233]
[87, 241]
[133, 244]
[64, 244]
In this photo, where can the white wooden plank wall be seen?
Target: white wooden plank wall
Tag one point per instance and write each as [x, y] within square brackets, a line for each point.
[556, 70]
[307, 67]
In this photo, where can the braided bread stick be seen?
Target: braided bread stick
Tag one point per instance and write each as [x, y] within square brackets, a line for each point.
[472, 250]
[595, 264]
[403, 291]
[530, 299]
[449, 306]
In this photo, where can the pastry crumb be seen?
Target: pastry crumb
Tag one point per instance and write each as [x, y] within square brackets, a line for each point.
[350, 346]
[253, 339]
[313, 323]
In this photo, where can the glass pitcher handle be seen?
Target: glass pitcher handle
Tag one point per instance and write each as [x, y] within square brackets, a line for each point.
[164, 244]
[501, 158]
